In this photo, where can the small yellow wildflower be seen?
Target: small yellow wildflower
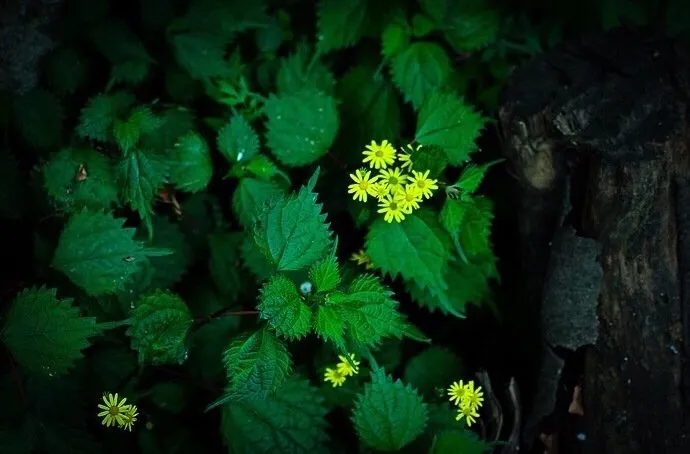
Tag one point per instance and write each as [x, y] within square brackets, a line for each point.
[345, 367]
[393, 180]
[334, 376]
[456, 392]
[470, 414]
[129, 417]
[361, 258]
[405, 159]
[473, 398]
[112, 410]
[391, 210]
[425, 184]
[363, 185]
[409, 198]
[380, 191]
[379, 156]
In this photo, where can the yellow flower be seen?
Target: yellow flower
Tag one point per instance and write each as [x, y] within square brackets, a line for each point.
[112, 410]
[456, 392]
[405, 159]
[409, 198]
[473, 398]
[379, 156]
[470, 414]
[391, 210]
[363, 185]
[381, 191]
[393, 180]
[129, 417]
[345, 367]
[334, 376]
[360, 257]
[424, 184]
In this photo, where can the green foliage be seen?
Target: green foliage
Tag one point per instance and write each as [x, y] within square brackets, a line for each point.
[300, 70]
[301, 126]
[160, 322]
[340, 23]
[292, 232]
[293, 421]
[468, 26]
[201, 54]
[420, 70]
[46, 335]
[237, 140]
[432, 370]
[97, 253]
[454, 441]
[284, 309]
[325, 275]
[388, 415]
[191, 168]
[99, 115]
[251, 196]
[141, 174]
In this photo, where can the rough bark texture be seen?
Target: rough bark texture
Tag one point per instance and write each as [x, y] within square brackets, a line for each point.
[605, 117]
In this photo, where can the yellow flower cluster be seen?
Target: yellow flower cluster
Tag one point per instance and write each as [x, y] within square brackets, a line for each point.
[115, 412]
[398, 193]
[468, 399]
[361, 258]
[342, 370]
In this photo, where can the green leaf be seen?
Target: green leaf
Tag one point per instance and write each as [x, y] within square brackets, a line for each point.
[370, 105]
[167, 269]
[422, 25]
[224, 263]
[472, 176]
[38, 115]
[283, 307]
[292, 231]
[45, 334]
[431, 158]
[140, 121]
[301, 70]
[325, 275]
[99, 115]
[174, 122]
[160, 323]
[97, 253]
[191, 168]
[140, 175]
[202, 54]
[394, 38]
[80, 177]
[340, 23]
[237, 141]
[257, 365]
[388, 415]
[301, 126]
[475, 232]
[420, 70]
[65, 70]
[292, 421]
[251, 196]
[255, 261]
[469, 25]
[329, 324]
[433, 370]
[456, 441]
[417, 248]
[447, 121]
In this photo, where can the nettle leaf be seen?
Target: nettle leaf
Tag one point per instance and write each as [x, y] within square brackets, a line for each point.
[237, 141]
[191, 167]
[420, 70]
[167, 269]
[325, 275]
[174, 122]
[340, 23]
[301, 126]
[300, 71]
[388, 415]
[257, 365]
[292, 231]
[99, 115]
[80, 177]
[370, 104]
[472, 177]
[38, 115]
[394, 38]
[224, 263]
[250, 197]
[329, 324]
[468, 25]
[431, 158]
[283, 307]
[417, 248]
[455, 441]
[66, 70]
[202, 54]
[369, 312]
[140, 175]
[97, 253]
[160, 322]
[475, 232]
[293, 421]
[255, 261]
[447, 121]
[45, 334]
[433, 369]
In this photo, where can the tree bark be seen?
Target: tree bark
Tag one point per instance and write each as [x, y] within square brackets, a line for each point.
[596, 133]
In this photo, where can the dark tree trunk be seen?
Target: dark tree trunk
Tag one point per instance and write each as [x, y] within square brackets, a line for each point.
[597, 135]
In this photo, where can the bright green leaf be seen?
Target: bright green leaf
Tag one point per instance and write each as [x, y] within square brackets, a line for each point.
[340, 23]
[283, 307]
[301, 126]
[99, 115]
[251, 196]
[388, 415]
[160, 323]
[329, 324]
[420, 70]
[237, 141]
[299, 71]
[431, 158]
[202, 54]
[191, 168]
[141, 174]
[38, 115]
[394, 38]
[472, 176]
[447, 121]
[45, 334]
[475, 233]
[325, 275]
